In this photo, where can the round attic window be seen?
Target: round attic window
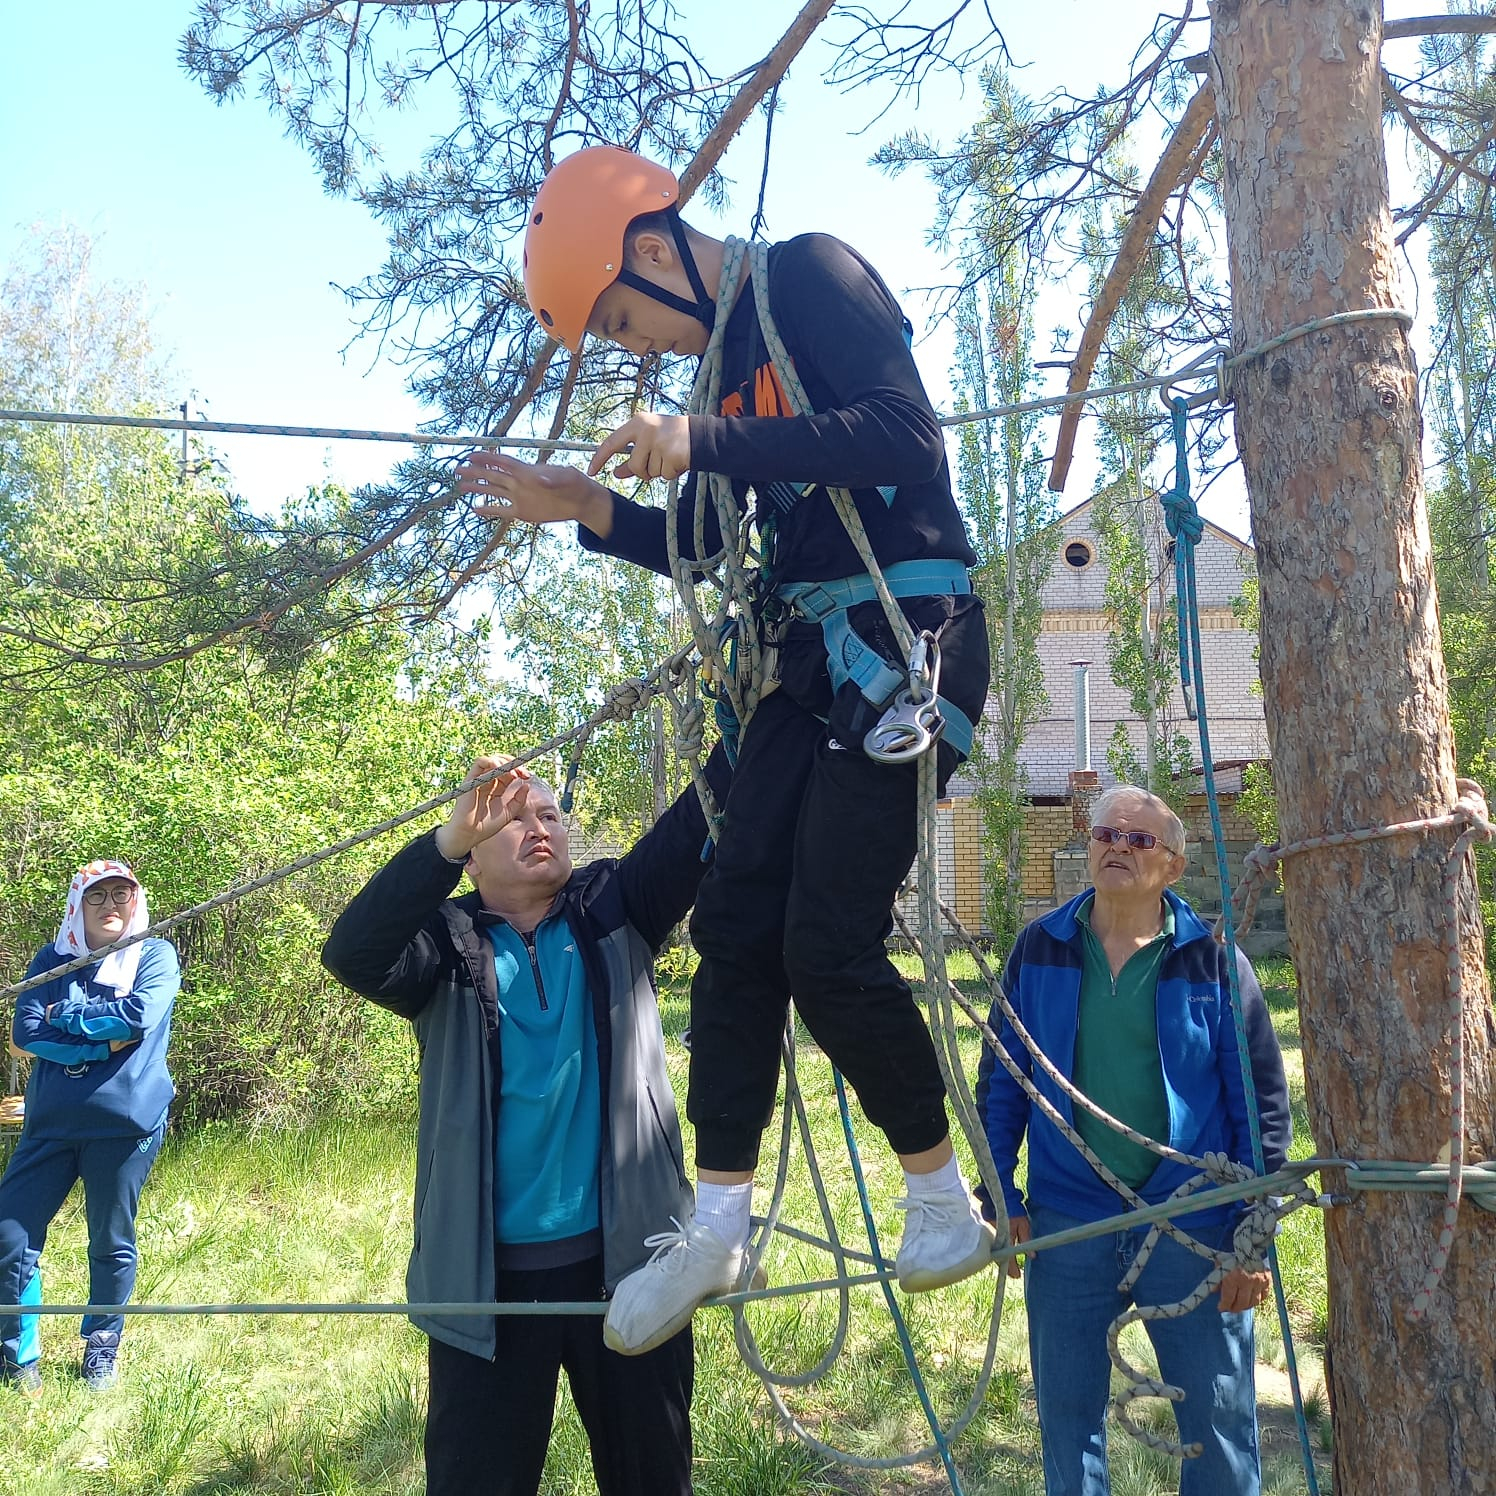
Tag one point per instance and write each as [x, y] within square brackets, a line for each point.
[1078, 555]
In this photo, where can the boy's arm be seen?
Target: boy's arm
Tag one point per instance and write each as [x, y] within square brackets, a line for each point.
[836, 317]
[638, 531]
[660, 875]
[157, 982]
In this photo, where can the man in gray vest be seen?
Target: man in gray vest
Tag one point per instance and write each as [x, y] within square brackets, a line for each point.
[548, 1145]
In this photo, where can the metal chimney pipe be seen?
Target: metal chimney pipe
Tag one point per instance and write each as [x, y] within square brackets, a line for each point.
[1082, 714]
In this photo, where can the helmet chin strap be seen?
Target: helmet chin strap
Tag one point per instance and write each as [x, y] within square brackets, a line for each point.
[704, 308]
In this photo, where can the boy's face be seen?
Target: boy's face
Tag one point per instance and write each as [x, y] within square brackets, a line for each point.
[637, 322]
[629, 318]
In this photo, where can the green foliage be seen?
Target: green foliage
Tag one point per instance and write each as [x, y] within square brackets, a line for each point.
[1000, 485]
[1172, 764]
[579, 624]
[1258, 802]
[212, 769]
[1157, 311]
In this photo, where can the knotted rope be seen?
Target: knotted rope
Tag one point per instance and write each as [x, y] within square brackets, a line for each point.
[1470, 820]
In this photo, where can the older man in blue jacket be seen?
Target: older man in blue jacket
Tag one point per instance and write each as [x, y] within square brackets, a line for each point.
[548, 1144]
[1127, 993]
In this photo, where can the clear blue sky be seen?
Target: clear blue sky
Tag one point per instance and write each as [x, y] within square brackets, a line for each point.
[226, 224]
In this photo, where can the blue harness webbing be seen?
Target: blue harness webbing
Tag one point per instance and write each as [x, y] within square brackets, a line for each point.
[849, 657]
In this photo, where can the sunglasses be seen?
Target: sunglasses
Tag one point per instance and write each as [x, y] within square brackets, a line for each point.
[1139, 841]
[119, 897]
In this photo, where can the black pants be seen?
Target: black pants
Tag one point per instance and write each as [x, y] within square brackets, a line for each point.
[488, 1423]
[816, 840]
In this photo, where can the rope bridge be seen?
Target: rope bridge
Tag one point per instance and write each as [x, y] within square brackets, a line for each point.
[726, 645]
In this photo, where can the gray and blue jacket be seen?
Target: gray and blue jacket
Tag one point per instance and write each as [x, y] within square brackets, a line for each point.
[1196, 1042]
[409, 946]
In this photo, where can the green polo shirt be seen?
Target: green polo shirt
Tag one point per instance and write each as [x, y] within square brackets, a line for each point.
[1117, 1062]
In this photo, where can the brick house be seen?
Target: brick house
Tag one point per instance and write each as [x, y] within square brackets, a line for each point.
[1075, 629]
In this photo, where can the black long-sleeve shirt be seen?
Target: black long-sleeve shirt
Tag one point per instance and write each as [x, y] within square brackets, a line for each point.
[874, 427]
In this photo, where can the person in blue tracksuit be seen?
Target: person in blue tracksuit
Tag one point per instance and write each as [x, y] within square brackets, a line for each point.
[96, 1107]
[547, 1144]
[1127, 993]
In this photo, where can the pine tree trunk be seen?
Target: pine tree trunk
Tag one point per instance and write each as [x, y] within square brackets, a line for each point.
[1329, 431]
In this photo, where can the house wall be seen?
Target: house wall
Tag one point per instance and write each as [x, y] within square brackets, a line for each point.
[1075, 628]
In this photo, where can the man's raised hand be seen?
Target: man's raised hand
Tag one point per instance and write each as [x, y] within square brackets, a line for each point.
[482, 809]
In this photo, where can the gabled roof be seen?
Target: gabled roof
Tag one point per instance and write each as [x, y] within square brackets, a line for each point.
[1220, 532]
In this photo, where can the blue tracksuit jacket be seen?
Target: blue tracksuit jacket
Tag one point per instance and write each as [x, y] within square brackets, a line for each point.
[1196, 1041]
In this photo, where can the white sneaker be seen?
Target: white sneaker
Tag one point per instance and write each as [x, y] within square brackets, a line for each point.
[655, 1301]
[945, 1240]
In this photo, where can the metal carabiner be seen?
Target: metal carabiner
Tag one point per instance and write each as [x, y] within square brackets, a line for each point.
[1212, 362]
[912, 725]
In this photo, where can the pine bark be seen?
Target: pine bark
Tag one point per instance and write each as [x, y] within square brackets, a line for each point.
[1329, 431]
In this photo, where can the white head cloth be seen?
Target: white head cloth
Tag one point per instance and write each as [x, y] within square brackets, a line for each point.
[118, 968]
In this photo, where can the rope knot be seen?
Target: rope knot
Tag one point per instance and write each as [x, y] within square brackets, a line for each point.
[1182, 516]
[690, 730]
[1254, 1234]
[626, 697]
[1471, 808]
[1224, 1169]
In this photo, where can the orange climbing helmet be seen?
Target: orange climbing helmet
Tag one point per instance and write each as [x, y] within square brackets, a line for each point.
[574, 244]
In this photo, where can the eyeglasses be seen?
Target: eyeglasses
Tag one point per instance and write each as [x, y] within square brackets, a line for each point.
[119, 897]
[1139, 841]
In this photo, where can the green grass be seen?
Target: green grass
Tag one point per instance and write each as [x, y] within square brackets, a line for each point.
[229, 1405]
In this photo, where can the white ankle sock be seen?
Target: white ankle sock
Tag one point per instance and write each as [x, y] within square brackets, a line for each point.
[725, 1208]
[947, 1178]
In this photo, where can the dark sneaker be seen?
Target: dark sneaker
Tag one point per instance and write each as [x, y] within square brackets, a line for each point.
[99, 1353]
[27, 1379]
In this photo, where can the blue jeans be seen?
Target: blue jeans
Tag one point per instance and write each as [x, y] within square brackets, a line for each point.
[1072, 1298]
[41, 1172]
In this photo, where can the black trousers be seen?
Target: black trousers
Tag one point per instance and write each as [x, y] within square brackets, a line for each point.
[816, 840]
[488, 1423]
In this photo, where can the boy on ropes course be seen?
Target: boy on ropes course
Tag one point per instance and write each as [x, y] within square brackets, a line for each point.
[96, 1109]
[1128, 994]
[548, 1142]
[816, 835]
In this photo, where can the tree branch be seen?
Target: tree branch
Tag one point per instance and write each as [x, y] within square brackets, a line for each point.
[768, 73]
[1406, 115]
[1180, 161]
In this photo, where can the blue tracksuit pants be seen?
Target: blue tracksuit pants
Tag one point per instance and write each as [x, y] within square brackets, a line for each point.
[41, 1172]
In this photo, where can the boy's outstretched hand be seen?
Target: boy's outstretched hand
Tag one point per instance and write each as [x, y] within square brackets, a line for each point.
[661, 447]
[539, 494]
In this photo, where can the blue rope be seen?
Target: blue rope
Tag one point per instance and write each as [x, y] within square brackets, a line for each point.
[1186, 526]
[905, 1344]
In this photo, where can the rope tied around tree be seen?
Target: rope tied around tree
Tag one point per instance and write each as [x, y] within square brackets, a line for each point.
[1469, 818]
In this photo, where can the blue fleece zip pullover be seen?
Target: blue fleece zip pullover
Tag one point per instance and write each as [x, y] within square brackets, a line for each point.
[1197, 1044]
[550, 1103]
[79, 1088]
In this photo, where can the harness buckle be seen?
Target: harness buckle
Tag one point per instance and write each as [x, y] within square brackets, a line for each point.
[912, 725]
[815, 603]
